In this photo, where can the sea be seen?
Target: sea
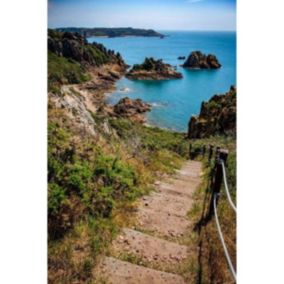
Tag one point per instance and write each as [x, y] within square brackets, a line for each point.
[175, 101]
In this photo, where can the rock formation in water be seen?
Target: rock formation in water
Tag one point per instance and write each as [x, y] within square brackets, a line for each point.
[152, 69]
[132, 109]
[198, 60]
[217, 117]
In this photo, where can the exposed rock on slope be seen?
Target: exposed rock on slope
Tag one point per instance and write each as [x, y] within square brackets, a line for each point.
[152, 69]
[199, 60]
[132, 109]
[217, 117]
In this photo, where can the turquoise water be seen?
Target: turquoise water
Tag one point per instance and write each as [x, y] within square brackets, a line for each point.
[174, 101]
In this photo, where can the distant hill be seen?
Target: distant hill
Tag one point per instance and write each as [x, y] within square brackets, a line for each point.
[112, 32]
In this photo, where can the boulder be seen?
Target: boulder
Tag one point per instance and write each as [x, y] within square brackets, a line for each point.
[132, 109]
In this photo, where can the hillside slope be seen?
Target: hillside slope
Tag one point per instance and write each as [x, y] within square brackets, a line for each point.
[98, 164]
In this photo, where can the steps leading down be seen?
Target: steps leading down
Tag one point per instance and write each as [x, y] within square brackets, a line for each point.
[149, 253]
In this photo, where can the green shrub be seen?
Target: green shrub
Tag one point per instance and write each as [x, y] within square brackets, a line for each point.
[56, 194]
[62, 70]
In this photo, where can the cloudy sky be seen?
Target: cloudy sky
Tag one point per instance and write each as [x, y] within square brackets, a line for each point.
[156, 14]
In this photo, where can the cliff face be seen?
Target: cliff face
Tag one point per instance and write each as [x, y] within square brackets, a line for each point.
[217, 117]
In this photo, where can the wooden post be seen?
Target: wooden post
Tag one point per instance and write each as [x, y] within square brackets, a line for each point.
[221, 155]
[217, 153]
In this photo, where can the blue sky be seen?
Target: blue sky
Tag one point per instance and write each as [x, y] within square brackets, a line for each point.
[156, 14]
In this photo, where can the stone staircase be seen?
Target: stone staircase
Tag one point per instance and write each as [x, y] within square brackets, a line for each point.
[143, 253]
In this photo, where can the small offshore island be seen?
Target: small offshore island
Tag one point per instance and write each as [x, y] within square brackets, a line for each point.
[198, 60]
[152, 69]
[112, 32]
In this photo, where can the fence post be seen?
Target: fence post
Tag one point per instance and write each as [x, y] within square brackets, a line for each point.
[221, 155]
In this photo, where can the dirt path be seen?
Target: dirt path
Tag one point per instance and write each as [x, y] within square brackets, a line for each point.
[152, 252]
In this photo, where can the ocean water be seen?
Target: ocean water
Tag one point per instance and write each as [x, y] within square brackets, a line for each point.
[175, 101]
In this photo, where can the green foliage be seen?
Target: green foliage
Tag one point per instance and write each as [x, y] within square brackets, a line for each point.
[152, 138]
[56, 194]
[148, 64]
[62, 70]
[97, 55]
[99, 182]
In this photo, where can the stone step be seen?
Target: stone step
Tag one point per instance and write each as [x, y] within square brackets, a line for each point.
[115, 271]
[177, 189]
[165, 224]
[167, 202]
[149, 249]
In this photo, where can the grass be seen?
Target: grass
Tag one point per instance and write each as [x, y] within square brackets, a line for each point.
[93, 187]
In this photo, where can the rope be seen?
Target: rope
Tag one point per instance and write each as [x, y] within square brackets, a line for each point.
[226, 187]
[223, 242]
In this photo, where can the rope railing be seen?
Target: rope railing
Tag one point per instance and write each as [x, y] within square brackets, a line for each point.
[218, 174]
[223, 241]
[226, 187]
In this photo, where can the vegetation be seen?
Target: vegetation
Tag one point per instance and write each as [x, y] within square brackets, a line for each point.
[113, 32]
[149, 64]
[64, 71]
[211, 263]
[92, 186]
[70, 56]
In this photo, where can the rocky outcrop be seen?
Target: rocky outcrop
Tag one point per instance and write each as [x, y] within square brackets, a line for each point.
[198, 60]
[152, 69]
[132, 109]
[217, 117]
[76, 47]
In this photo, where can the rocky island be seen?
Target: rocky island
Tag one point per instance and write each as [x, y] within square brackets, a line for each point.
[112, 32]
[217, 117]
[198, 60]
[152, 69]
[132, 109]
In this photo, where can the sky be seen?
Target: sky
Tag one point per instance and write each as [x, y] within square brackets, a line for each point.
[207, 15]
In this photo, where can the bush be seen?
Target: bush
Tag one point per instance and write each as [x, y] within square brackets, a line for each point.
[62, 70]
